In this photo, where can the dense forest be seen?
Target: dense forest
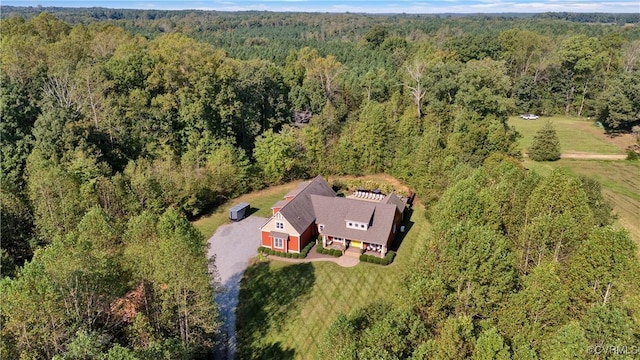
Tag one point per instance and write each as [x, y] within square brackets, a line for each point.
[517, 266]
[120, 126]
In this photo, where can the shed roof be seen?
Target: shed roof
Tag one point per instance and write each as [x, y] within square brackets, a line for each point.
[239, 206]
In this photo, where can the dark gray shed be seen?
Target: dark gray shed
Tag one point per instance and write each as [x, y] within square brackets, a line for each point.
[239, 211]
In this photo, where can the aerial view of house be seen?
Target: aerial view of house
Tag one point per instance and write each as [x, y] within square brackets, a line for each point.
[361, 222]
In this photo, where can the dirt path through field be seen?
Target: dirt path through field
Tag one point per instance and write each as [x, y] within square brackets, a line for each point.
[592, 156]
[586, 156]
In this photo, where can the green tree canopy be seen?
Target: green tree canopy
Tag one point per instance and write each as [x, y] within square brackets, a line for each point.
[545, 145]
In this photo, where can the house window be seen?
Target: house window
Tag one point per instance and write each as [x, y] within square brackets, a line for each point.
[279, 225]
[321, 227]
[362, 226]
[350, 224]
[278, 243]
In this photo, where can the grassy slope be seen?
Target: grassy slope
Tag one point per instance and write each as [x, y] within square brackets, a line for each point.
[576, 135]
[619, 179]
[286, 309]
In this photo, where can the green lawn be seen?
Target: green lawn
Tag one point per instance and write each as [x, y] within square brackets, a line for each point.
[576, 135]
[284, 310]
[261, 203]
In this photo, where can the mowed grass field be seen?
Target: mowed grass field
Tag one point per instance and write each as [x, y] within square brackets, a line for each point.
[620, 179]
[285, 309]
[576, 135]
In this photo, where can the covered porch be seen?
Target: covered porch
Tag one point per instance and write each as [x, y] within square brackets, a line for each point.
[362, 247]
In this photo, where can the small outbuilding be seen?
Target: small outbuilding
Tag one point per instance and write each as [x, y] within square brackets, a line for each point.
[239, 211]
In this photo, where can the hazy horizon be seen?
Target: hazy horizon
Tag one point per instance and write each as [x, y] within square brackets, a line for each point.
[353, 6]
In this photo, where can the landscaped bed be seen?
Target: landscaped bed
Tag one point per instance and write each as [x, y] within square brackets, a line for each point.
[301, 255]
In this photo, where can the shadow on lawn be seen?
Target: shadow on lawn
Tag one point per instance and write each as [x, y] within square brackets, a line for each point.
[267, 299]
[408, 224]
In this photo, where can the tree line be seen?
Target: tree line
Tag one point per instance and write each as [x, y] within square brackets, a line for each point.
[114, 133]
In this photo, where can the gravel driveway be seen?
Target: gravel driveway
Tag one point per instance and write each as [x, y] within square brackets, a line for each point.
[233, 245]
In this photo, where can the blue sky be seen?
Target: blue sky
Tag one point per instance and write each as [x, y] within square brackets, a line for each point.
[368, 6]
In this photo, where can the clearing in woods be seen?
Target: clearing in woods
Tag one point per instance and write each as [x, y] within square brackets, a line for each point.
[576, 135]
[587, 150]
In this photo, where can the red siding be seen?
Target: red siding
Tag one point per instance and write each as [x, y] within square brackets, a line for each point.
[293, 244]
[275, 210]
[308, 235]
[266, 240]
[289, 198]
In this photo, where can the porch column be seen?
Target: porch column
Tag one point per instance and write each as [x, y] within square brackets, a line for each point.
[383, 252]
[324, 241]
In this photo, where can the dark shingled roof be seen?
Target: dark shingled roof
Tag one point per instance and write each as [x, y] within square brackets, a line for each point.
[280, 204]
[299, 188]
[299, 211]
[394, 199]
[332, 212]
[360, 211]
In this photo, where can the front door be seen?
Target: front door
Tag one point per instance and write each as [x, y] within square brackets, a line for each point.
[356, 244]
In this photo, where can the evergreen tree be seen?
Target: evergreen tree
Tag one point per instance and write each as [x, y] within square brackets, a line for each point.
[545, 145]
[490, 345]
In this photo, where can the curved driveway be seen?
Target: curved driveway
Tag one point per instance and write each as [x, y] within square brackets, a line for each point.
[233, 245]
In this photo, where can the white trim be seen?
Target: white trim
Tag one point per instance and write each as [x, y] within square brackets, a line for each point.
[356, 225]
[275, 239]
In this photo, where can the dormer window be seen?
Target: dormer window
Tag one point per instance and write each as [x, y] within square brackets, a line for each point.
[356, 225]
